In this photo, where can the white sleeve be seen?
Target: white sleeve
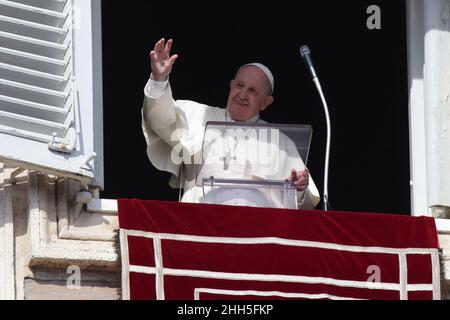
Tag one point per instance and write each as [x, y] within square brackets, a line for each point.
[155, 89]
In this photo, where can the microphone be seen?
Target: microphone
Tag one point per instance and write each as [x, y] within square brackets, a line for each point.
[306, 55]
[305, 52]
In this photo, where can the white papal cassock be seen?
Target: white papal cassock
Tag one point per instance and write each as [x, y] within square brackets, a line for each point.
[171, 126]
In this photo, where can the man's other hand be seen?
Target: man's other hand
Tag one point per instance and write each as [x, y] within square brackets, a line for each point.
[300, 179]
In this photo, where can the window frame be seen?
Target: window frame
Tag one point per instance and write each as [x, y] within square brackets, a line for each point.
[85, 163]
[417, 46]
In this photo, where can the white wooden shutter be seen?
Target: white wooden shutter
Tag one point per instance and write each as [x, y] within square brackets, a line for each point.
[50, 86]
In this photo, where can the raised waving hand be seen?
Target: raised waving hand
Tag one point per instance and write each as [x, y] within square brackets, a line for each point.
[161, 60]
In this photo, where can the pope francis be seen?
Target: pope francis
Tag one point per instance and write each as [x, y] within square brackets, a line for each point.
[174, 130]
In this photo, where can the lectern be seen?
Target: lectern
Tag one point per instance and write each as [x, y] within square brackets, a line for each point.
[248, 164]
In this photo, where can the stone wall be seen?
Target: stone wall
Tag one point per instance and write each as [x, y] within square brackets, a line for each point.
[46, 230]
[444, 242]
[59, 285]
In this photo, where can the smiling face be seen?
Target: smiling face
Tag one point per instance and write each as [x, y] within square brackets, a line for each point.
[249, 94]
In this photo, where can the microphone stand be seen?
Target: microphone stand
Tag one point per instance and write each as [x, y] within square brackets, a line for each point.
[306, 55]
[327, 153]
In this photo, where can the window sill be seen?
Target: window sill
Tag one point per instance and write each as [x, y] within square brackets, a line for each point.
[110, 207]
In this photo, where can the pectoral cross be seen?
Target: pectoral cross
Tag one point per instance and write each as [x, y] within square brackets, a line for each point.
[226, 160]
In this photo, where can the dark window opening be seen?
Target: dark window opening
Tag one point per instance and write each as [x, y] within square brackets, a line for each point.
[363, 73]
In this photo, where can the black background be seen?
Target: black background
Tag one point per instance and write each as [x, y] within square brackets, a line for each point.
[363, 73]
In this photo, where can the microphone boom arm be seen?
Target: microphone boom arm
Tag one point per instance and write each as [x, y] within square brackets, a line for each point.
[327, 153]
[306, 55]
